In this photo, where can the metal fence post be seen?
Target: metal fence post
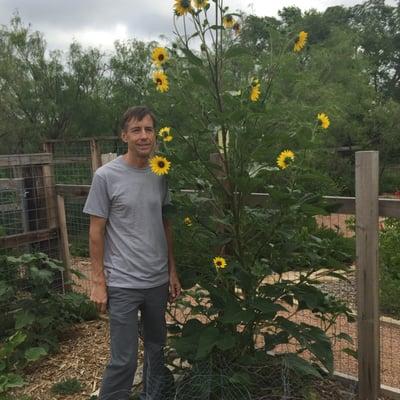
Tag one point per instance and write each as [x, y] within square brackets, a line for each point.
[367, 231]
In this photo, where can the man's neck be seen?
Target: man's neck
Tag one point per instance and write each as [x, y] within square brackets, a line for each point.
[134, 161]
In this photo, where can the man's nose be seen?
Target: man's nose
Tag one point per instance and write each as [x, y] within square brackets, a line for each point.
[143, 133]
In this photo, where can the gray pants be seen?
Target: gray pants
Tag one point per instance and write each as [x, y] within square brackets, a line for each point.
[123, 306]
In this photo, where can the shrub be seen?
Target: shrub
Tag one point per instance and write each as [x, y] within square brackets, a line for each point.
[35, 312]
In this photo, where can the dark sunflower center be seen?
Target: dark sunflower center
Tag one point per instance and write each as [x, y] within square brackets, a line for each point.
[161, 164]
[288, 160]
[228, 18]
[161, 57]
[159, 81]
[165, 134]
[185, 3]
[219, 263]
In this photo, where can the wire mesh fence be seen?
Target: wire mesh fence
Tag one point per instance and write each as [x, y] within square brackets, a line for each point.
[29, 236]
[28, 223]
[28, 207]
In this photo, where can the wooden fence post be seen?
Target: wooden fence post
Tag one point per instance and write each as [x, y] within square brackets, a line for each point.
[62, 221]
[367, 231]
[49, 190]
[95, 154]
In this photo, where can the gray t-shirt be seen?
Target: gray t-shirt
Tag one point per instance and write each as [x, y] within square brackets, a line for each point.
[132, 201]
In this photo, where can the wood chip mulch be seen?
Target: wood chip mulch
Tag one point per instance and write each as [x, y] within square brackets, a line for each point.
[83, 354]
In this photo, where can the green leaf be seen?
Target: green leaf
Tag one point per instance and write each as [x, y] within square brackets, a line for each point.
[350, 352]
[192, 327]
[174, 329]
[216, 27]
[345, 336]
[34, 353]
[9, 381]
[18, 338]
[55, 266]
[299, 365]
[272, 340]
[237, 51]
[41, 274]
[11, 344]
[3, 365]
[191, 57]
[267, 307]
[6, 290]
[242, 378]
[227, 342]
[198, 78]
[209, 338]
[23, 318]
[234, 314]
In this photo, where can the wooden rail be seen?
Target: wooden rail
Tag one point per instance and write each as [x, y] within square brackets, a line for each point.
[345, 205]
[12, 241]
[19, 160]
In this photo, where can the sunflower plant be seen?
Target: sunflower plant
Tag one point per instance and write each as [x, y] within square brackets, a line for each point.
[249, 264]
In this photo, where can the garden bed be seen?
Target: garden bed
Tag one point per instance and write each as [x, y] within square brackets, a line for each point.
[83, 355]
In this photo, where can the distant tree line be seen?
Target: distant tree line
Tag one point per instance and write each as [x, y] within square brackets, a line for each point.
[350, 70]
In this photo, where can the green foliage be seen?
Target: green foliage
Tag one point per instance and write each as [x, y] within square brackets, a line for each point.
[389, 242]
[34, 311]
[67, 387]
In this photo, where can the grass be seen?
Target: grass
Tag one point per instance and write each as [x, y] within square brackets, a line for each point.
[67, 386]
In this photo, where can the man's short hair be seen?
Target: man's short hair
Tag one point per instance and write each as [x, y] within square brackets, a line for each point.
[138, 113]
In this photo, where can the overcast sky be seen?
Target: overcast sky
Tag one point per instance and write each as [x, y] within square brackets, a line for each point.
[100, 22]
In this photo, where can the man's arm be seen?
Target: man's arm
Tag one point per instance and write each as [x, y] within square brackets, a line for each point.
[96, 247]
[174, 284]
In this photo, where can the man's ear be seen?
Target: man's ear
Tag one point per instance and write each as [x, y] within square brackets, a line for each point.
[124, 136]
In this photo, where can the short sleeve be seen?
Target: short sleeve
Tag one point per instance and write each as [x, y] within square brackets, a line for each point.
[167, 202]
[98, 201]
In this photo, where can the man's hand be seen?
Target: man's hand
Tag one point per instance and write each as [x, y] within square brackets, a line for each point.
[174, 287]
[99, 296]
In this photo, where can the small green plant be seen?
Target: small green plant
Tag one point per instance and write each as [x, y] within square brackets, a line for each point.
[34, 311]
[67, 386]
[11, 357]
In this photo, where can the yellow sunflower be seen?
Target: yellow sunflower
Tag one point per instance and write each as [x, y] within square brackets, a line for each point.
[285, 158]
[182, 7]
[236, 28]
[159, 56]
[219, 262]
[255, 90]
[160, 165]
[228, 21]
[165, 133]
[187, 221]
[200, 4]
[161, 80]
[323, 120]
[300, 41]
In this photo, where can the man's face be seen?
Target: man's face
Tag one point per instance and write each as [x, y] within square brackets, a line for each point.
[140, 137]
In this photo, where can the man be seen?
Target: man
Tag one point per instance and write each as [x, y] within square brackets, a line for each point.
[132, 258]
